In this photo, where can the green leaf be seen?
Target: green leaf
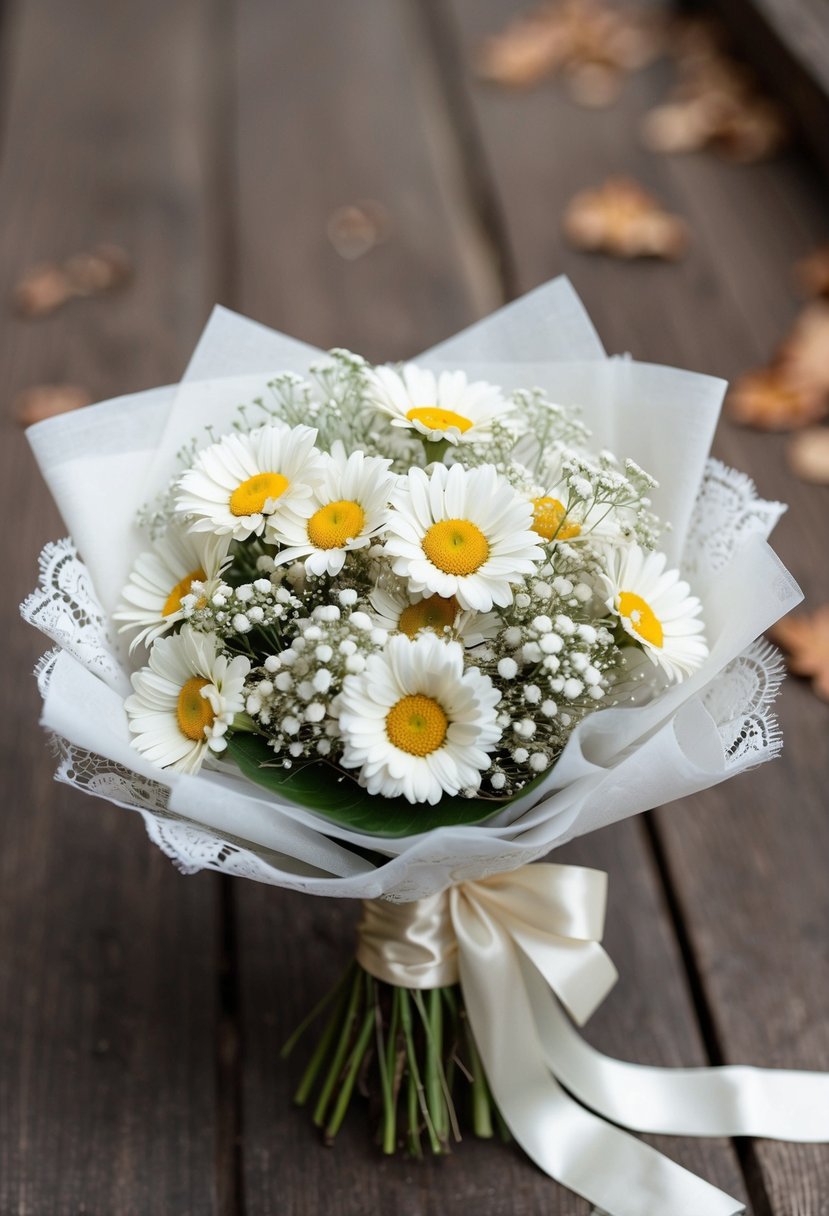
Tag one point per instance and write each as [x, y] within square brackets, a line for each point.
[321, 787]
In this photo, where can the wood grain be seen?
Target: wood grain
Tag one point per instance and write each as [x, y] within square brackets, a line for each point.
[108, 995]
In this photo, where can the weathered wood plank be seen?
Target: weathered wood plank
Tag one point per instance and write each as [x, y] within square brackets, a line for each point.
[108, 999]
[751, 847]
[334, 108]
[290, 948]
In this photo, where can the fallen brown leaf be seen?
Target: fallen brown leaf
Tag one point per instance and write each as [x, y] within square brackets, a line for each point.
[804, 355]
[812, 273]
[767, 399]
[808, 454]
[593, 41]
[716, 103]
[622, 219]
[102, 269]
[41, 290]
[45, 400]
[47, 286]
[530, 48]
[355, 229]
[678, 126]
[805, 639]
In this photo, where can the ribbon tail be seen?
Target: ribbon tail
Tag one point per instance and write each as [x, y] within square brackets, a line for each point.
[731, 1100]
[608, 1167]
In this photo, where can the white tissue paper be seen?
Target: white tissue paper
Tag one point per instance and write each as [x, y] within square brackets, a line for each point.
[103, 463]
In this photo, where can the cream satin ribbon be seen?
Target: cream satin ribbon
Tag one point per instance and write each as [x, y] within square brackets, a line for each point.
[517, 941]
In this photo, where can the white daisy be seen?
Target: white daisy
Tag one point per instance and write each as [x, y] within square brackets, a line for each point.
[185, 700]
[348, 508]
[244, 483]
[179, 564]
[656, 610]
[461, 532]
[438, 407]
[397, 611]
[416, 722]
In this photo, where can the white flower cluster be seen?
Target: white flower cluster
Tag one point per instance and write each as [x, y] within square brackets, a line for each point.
[417, 580]
[290, 695]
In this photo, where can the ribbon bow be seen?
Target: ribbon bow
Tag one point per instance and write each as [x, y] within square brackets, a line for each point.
[516, 939]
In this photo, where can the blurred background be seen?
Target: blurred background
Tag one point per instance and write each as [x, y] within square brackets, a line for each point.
[378, 174]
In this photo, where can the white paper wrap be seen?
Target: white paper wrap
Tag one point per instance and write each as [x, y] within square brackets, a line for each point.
[103, 463]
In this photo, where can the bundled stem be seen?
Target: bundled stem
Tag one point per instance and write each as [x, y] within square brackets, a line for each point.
[411, 1050]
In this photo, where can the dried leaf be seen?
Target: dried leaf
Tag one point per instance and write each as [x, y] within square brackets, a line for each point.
[716, 103]
[750, 132]
[354, 230]
[805, 639]
[622, 219]
[45, 400]
[46, 287]
[812, 273]
[804, 355]
[41, 290]
[102, 269]
[593, 41]
[767, 399]
[808, 454]
[529, 49]
[678, 126]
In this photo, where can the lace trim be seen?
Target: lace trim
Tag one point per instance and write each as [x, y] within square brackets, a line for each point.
[64, 607]
[104, 778]
[740, 702]
[726, 513]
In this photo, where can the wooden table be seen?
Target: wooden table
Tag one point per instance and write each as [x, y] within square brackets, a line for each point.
[142, 1012]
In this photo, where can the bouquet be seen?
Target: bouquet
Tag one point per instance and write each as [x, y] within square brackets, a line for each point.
[396, 632]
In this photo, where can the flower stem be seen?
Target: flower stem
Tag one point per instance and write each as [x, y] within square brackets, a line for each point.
[341, 1049]
[414, 1069]
[319, 1053]
[390, 1073]
[435, 450]
[481, 1104]
[356, 1059]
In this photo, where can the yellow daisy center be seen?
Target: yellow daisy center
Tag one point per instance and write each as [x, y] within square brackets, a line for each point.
[436, 419]
[250, 497]
[641, 616]
[550, 520]
[173, 601]
[336, 523]
[417, 725]
[193, 711]
[437, 612]
[456, 546]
